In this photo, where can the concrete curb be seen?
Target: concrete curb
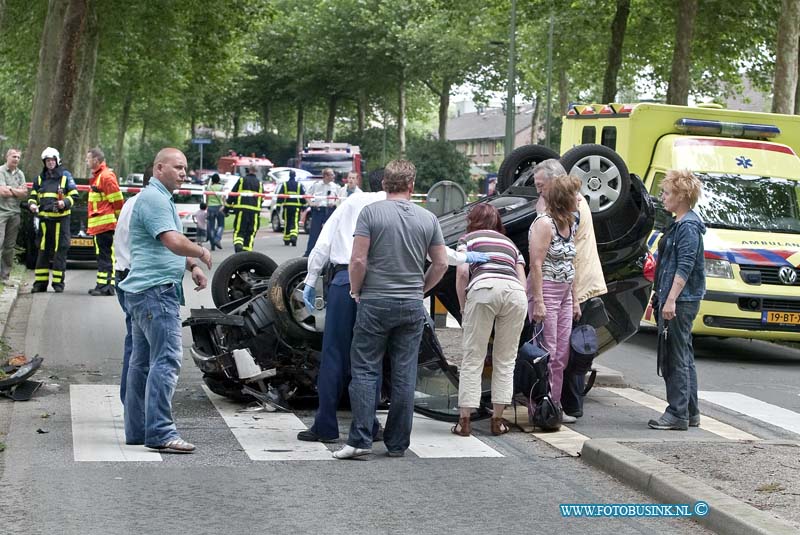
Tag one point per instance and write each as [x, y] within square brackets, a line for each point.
[726, 515]
[609, 377]
[7, 300]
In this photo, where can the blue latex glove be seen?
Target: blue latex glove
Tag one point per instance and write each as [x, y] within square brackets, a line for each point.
[474, 257]
[309, 295]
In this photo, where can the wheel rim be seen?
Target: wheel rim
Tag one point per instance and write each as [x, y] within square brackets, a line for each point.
[601, 181]
[275, 222]
[308, 321]
[524, 172]
[244, 279]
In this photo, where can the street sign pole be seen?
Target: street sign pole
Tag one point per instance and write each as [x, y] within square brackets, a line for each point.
[201, 142]
[201, 157]
[511, 91]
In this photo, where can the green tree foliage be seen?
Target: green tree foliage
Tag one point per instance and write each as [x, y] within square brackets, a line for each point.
[438, 160]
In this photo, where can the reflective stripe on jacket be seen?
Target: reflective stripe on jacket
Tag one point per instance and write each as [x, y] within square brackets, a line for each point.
[46, 192]
[105, 201]
[249, 183]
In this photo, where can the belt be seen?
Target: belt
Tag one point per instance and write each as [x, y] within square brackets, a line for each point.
[336, 268]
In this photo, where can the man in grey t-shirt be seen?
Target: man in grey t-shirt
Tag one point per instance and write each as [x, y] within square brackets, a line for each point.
[12, 191]
[388, 281]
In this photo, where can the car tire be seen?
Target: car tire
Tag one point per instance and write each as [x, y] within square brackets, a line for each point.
[228, 388]
[521, 163]
[285, 294]
[237, 275]
[276, 222]
[605, 177]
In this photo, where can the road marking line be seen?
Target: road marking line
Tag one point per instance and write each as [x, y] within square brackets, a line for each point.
[432, 439]
[755, 408]
[98, 430]
[707, 423]
[268, 436]
[565, 439]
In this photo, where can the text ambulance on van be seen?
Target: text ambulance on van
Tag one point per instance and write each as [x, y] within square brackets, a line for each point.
[750, 171]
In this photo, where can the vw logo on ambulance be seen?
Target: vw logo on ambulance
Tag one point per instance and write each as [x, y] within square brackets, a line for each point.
[787, 275]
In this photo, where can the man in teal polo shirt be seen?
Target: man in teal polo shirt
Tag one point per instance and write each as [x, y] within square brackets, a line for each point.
[154, 292]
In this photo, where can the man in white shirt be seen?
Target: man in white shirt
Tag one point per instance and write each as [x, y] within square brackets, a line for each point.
[333, 249]
[323, 199]
[350, 187]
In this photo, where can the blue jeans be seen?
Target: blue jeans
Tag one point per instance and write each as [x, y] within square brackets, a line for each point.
[334, 369]
[216, 224]
[154, 366]
[392, 327]
[680, 375]
[128, 346]
[318, 218]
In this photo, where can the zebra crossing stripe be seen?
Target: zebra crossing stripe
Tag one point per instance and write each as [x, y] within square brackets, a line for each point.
[432, 439]
[707, 423]
[268, 436]
[98, 430]
[566, 440]
[755, 408]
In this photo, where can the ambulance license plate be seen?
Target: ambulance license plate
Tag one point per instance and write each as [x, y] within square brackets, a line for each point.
[81, 242]
[785, 318]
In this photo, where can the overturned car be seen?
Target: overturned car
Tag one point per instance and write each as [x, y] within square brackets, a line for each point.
[262, 343]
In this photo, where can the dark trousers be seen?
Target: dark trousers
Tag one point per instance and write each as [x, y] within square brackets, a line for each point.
[245, 227]
[51, 263]
[128, 344]
[334, 369]
[318, 218]
[104, 248]
[291, 222]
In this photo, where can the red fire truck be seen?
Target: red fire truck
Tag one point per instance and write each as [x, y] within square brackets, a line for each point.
[236, 164]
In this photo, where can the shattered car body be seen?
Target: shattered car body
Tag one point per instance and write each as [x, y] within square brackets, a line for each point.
[261, 312]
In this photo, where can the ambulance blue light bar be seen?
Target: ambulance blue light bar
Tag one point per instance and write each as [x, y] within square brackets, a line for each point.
[726, 129]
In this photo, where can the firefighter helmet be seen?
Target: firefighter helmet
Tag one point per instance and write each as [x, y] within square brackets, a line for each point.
[50, 152]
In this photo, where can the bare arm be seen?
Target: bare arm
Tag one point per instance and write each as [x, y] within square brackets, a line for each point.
[521, 275]
[20, 192]
[358, 264]
[462, 278]
[537, 247]
[182, 246]
[437, 268]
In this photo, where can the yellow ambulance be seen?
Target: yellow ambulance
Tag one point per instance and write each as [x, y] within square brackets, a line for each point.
[750, 170]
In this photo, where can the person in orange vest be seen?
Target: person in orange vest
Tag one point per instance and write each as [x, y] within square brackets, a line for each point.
[105, 204]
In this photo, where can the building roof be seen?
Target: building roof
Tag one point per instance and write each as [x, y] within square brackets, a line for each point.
[488, 124]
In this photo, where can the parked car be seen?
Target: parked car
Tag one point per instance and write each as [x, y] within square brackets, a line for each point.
[262, 343]
[187, 202]
[134, 179]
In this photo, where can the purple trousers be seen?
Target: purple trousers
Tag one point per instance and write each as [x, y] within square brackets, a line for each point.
[557, 298]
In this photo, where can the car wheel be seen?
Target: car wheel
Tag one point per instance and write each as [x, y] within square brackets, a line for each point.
[520, 163]
[285, 293]
[276, 222]
[606, 181]
[241, 275]
[222, 386]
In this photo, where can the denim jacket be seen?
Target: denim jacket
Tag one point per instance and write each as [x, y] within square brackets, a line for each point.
[682, 255]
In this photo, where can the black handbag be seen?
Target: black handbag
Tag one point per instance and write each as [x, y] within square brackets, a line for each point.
[531, 371]
[583, 347]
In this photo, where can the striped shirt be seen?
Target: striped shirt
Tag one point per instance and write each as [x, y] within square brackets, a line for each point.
[559, 263]
[504, 256]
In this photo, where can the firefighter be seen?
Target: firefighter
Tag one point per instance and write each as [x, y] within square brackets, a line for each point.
[105, 204]
[292, 206]
[51, 198]
[248, 210]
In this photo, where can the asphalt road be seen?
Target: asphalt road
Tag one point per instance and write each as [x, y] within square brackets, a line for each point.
[220, 489]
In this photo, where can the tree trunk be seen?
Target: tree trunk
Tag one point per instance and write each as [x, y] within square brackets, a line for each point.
[77, 139]
[785, 82]
[444, 107]
[193, 126]
[618, 27]
[300, 129]
[2, 12]
[563, 91]
[329, 128]
[39, 131]
[361, 104]
[119, 148]
[535, 120]
[401, 115]
[68, 69]
[143, 136]
[266, 116]
[678, 90]
[93, 131]
[235, 121]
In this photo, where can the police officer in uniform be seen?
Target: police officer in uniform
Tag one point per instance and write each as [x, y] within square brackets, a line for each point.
[248, 211]
[51, 198]
[291, 208]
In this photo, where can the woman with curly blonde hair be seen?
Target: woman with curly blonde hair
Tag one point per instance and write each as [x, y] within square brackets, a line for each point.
[679, 286]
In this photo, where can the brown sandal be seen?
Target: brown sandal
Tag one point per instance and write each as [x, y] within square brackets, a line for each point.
[462, 428]
[500, 426]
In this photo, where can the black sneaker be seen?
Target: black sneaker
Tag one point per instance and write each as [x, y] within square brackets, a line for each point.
[399, 453]
[38, 289]
[694, 421]
[310, 436]
[664, 425]
[58, 288]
